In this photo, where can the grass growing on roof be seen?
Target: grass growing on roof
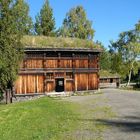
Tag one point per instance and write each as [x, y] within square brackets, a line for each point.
[57, 42]
[105, 73]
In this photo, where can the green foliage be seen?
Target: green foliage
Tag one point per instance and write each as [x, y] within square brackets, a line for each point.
[11, 51]
[76, 25]
[126, 51]
[106, 73]
[22, 19]
[105, 57]
[45, 22]
[117, 65]
[1, 95]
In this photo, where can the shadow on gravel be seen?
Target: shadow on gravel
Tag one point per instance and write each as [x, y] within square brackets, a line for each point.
[127, 124]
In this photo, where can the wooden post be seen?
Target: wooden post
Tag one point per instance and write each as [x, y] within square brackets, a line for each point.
[59, 57]
[44, 57]
[73, 72]
[8, 96]
[88, 73]
[89, 60]
[65, 82]
[45, 83]
[25, 62]
[98, 64]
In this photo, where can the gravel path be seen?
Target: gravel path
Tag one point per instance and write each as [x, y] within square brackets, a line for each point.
[126, 105]
[126, 124]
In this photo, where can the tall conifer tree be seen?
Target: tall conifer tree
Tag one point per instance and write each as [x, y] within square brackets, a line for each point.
[22, 18]
[45, 22]
[13, 25]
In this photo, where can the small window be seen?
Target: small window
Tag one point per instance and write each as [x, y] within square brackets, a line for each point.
[49, 76]
[69, 75]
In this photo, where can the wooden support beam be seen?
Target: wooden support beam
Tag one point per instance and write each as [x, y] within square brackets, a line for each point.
[8, 96]
[59, 58]
[73, 72]
[45, 83]
[25, 64]
[89, 60]
[65, 82]
[44, 57]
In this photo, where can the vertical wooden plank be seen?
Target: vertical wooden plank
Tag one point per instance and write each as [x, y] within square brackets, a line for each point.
[87, 79]
[93, 81]
[65, 84]
[28, 84]
[25, 79]
[37, 84]
[34, 81]
[20, 78]
[76, 82]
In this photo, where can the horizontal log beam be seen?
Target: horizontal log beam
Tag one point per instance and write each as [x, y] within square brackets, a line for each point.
[33, 71]
[56, 69]
[31, 49]
[56, 58]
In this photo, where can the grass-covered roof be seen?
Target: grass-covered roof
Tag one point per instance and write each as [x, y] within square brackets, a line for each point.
[58, 42]
[107, 74]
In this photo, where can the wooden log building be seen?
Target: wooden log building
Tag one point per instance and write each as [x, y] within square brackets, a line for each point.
[108, 79]
[48, 69]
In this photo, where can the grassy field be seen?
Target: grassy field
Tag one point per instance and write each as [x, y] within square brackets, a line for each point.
[50, 119]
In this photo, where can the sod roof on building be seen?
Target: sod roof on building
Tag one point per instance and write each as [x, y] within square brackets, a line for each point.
[58, 42]
[107, 74]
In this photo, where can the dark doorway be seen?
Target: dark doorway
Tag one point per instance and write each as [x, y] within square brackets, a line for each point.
[59, 84]
[111, 80]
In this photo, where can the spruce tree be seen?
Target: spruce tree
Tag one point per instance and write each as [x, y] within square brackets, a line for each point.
[12, 30]
[45, 22]
[22, 18]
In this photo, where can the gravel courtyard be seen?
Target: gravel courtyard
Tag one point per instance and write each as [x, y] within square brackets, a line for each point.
[126, 124]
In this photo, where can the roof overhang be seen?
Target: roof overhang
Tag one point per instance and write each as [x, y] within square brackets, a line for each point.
[46, 49]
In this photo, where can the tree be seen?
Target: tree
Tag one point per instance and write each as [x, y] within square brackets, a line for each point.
[105, 58]
[22, 18]
[45, 22]
[127, 48]
[11, 48]
[76, 25]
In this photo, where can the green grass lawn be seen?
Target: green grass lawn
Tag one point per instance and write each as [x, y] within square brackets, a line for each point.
[53, 119]
[41, 119]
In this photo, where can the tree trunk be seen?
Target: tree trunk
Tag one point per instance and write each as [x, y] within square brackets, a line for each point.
[129, 77]
[130, 73]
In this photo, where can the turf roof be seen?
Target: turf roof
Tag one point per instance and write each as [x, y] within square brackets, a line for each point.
[58, 42]
[107, 74]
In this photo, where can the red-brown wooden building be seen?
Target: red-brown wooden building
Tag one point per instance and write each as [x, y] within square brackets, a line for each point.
[56, 69]
[108, 79]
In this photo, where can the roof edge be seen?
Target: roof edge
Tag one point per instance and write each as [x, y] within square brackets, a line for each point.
[49, 48]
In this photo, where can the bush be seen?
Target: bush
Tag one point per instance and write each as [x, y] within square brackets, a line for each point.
[1, 95]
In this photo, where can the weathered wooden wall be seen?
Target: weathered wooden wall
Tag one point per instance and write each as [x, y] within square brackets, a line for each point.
[38, 73]
[109, 80]
[86, 81]
[26, 84]
[50, 86]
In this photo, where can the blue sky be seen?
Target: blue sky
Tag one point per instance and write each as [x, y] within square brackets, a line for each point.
[110, 17]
